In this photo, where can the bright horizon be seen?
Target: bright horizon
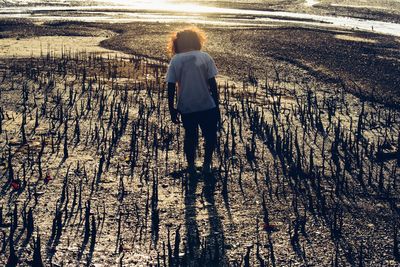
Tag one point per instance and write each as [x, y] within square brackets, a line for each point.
[166, 5]
[155, 5]
[162, 11]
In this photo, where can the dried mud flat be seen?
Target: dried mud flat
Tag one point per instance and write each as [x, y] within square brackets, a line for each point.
[92, 169]
[364, 64]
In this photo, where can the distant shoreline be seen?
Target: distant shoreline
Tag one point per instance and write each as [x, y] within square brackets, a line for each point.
[382, 20]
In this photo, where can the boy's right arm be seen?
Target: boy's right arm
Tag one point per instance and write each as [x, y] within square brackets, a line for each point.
[171, 97]
[171, 80]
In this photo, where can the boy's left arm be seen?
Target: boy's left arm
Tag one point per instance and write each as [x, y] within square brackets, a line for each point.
[214, 93]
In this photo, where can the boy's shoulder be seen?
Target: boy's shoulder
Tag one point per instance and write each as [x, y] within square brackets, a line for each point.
[191, 53]
[208, 57]
[181, 56]
[204, 53]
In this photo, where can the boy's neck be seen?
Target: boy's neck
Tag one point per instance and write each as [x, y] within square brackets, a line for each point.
[188, 50]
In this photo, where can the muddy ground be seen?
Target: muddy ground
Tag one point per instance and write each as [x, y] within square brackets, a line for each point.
[305, 174]
[364, 64]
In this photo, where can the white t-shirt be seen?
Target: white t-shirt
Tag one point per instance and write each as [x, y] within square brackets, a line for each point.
[191, 70]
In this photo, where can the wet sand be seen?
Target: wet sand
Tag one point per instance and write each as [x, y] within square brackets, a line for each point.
[142, 199]
[217, 214]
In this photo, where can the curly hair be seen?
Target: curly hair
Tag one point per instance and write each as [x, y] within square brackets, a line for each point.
[191, 38]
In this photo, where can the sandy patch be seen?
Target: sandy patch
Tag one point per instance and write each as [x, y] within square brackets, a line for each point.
[360, 6]
[56, 45]
[354, 38]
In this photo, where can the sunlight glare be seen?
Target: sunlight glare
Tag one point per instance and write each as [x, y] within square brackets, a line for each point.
[164, 5]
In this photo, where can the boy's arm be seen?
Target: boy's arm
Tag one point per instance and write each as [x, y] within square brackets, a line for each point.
[214, 93]
[171, 97]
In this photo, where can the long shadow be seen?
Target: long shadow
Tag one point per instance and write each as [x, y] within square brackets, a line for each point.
[216, 239]
[192, 231]
[209, 251]
[92, 242]
[225, 192]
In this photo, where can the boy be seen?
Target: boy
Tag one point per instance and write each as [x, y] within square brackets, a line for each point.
[197, 99]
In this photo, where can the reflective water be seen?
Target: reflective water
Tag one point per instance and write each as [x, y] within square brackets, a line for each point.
[311, 2]
[175, 11]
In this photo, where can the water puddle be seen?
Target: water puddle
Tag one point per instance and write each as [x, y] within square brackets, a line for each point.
[311, 3]
[166, 11]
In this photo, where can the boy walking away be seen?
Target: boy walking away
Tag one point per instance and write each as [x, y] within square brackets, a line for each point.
[191, 73]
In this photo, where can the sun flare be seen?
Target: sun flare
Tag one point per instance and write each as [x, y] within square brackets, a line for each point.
[165, 5]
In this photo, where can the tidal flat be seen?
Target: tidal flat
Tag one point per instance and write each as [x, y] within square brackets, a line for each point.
[92, 169]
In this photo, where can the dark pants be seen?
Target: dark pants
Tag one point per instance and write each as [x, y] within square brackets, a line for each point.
[207, 120]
